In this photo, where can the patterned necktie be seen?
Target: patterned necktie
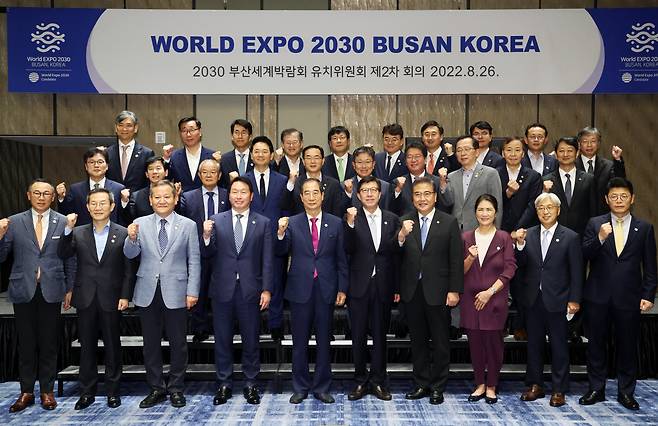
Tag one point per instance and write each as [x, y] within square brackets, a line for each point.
[211, 204]
[262, 188]
[163, 239]
[315, 238]
[590, 166]
[373, 230]
[124, 161]
[388, 164]
[619, 236]
[97, 185]
[567, 189]
[423, 232]
[237, 232]
[430, 164]
[242, 167]
[545, 242]
[341, 170]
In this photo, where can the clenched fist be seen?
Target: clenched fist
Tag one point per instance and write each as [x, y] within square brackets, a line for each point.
[407, 227]
[512, 187]
[217, 155]
[351, 215]
[133, 231]
[70, 220]
[520, 235]
[548, 185]
[473, 251]
[61, 190]
[605, 231]
[4, 226]
[125, 195]
[166, 151]
[448, 147]
[278, 155]
[399, 183]
[283, 225]
[233, 175]
[207, 228]
[616, 152]
[349, 186]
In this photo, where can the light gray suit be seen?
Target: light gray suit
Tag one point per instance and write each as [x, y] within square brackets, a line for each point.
[485, 180]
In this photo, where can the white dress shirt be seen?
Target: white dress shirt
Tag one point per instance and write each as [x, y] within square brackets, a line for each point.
[537, 162]
[193, 161]
[45, 220]
[572, 176]
[266, 176]
[204, 191]
[101, 183]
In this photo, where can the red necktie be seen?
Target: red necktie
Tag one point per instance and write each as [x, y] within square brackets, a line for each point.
[430, 165]
[315, 237]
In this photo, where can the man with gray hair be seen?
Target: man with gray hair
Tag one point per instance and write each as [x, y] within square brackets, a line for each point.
[127, 158]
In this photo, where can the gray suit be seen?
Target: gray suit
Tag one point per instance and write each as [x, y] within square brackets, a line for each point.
[485, 180]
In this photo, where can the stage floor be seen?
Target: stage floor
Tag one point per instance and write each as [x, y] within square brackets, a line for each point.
[275, 409]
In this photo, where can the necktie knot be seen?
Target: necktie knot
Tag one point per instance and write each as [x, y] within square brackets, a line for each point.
[239, 216]
[314, 220]
[163, 222]
[39, 217]
[96, 185]
[210, 194]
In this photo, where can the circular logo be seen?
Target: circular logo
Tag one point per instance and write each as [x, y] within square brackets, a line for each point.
[33, 77]
[626, 77]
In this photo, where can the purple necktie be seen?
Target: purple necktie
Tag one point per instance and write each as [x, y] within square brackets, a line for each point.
[315, 237]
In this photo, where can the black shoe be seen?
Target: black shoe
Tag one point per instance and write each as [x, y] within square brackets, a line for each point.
[628, 401]
[324, 397]
[476, 398]
[200, 337]
[592, 397]
[177, 400]
[436, 397]
[418, 393]
[277, 333]
[154, 398]
[223, 394]
[359, 392]
[84, 402]
[455, 333]
[298, 397]
[113, 401]
[251, 395]
[490, 400]
[381, 392]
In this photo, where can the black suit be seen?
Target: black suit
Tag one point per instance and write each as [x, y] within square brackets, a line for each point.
[449, 162]
[229, 163]
[604, 170]
[493, 159]
[441, 264]
[333, 201]
[136, 173]
[404, 204]
[284, 168]
[139, 205]
[370, 297]
[99, 285]
[329, 167]
[583, 200]
[386, 201]
[398, 168]
[519, 210]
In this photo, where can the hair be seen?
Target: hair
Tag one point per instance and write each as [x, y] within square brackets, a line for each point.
[126, 114]
[393, 129]
[486, 197]
[620, 182]
[415, 145]
[292, 130]
[422, 180]
[163, 182]
[91, 152]
[474, 141]
[568, 140]
[530, 126]
[589, 131]
[318, 147]
[242, 179]
[261, 139]
[510, 139]
[40, 180]
[244, 123]
[101, 190]
[431, 123]
[369, 179]
[482, 125]
[186, 119]
[155, 159]
[547, 195]
[211, 161]
[312, 179]
[336, 130]
[363, 150]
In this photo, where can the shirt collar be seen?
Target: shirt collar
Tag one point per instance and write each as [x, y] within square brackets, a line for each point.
[101, 183]
[169, 218]
[244, 213]
[377, 212]
[344, 156]
[586, 158]
[436, 153]
[214, 190]
[45, 215]
[266, 173]
[625, 219]
[238, 152]
[130, 144]
[429, 216]
[551, 230]
[319, 216]
[571, 172]
[106, 227]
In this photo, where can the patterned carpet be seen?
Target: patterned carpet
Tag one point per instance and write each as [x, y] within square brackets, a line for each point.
[275, 409]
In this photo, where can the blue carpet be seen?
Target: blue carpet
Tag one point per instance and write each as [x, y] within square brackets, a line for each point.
[275, 409]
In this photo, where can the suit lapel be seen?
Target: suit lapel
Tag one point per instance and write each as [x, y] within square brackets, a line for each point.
[415, 231]
[29, 227]
[494, 247]
[227, 224]
[632, 234]
[89, 236]
[459, 184]
[110, 243]
[172, 233]
[434, 229]
[54, 221]
[251, 223]
[557, 238]
[474, 180]
[363, 222]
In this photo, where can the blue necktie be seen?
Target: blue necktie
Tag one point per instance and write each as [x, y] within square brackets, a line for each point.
[162, 235]
[237, 232]
[423, 231]
[242, 166]
[211, 204]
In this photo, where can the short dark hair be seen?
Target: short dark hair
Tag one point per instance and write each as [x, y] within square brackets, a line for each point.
[364, 150]
[369, 179]
[475, 143]
[262, 139]
[190, 118]
[393, 129]
[486, 197]
[336, 130]
[243, 180]
[312, 179]
[40, 180]
[98, 191]
[415, 145]
[571, 141]
[91, 152]
[318, 147]
[431, 123]
[244, 123]
[541, 126]
[620, 182]
[506, 141]
[163, 182]
[422, 180]
[482, 125]
[288, 132]
[155, 159]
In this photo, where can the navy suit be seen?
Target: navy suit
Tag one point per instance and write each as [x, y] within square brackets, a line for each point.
[139, 204]
[229, 164]
[179, 170]
[604, 170]
[583, 200]
[386, 202]
[333, 201]
[136, 173]
[548, 285]
[493, 159]
[236, 283]
[613, 291]
[398, 168]
[519, 210]
[76, 202]
[449, 162]
[329, 167]
[284, 168]
[312, 299]
[404, 203]
[370, 297]
[550, 163]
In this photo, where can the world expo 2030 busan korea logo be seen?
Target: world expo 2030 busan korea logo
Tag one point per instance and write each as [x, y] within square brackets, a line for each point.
[48, 37]
[642, 37]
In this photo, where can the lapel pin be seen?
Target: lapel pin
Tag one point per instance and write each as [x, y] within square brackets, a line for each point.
[54, 220]
[176, 228]
[325, 225]
[253, 221]
[385, 223]
[557, 240]
[438, 221]
[497, 247]
[635, 229]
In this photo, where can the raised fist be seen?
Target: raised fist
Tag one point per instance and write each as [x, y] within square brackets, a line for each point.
[283, 225]
[4, 226]
[473, 251]
[548, 185]
[605, 231]
[616, 152]
[349, 185]
[70, 220]
[207, 228]
[125, 195]
[233, 175]
[448, 147]
[133, 231]
[407, 227]
[217, 155]
[278, 155]
[399, 183]
[351, 215]
[520, 236]
[61, 190]
[512, 187]
[166, 151]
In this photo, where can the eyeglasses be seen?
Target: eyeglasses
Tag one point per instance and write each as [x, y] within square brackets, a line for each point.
[546, 208]
[414, 157]
[39, 194]
[426, 194]
[617, 197]
[188, 131]
[96, 163]
[368, 190]
[339, 138]
[464, 150]
[94, 204]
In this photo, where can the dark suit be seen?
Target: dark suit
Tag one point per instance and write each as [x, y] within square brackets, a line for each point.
[449, 162]
[604, 170]
[37, 306]
[548, 285]
[404, 204]
[398, 168]
[613, 291]
[284, 168]
[179, 170]
[329, 167]
[550, 163]
[493, 159]
[235, 287]
[386, 202]
[99, 285]
[312, 299]
[519, 210]
[136, 173]
[370, 297]
[139, 204]
[441, 264]
[583, 200]
[229, 164]
[76, 201]
[333, 201]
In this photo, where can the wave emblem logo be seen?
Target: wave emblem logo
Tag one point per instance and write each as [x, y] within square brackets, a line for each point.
[643, 37]
[48, 37]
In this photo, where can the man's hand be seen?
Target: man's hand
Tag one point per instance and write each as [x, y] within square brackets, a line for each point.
[616, 152]
[207, 229]
[283, 225]
[520, 236]
[166, 151]
[61, 190]
[448, 147]
[278, 155]
[292, 177]
[123, 304]
[349, 186]
[191, 301]
[125, 195]
[396, 297]
[4, 226]
[399, 183]
[340, 298]
[351, 215]
[573, 307]
[645, 305]
[452, 298]
[548, 185]
[217, 155]
[67, 300]
[133, 231]
[407, 227]
[265, 298]
[605, 231]
[179, 188]
[70, 220]
[232, 175]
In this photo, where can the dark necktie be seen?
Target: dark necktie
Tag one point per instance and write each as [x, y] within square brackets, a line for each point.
[262, 187]
[590, 166]
[388, 165]
[162, 235]
[211, 204]
[567, 189]
[97, 185]
[237, 232]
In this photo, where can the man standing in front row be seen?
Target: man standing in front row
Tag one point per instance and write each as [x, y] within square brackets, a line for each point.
[317, 279]
[238, 246]
[39, 282]
[621, 250]
[167, 283]
[103, 286]
[431, 278]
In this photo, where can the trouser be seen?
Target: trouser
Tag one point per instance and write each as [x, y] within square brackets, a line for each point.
[486, 347]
